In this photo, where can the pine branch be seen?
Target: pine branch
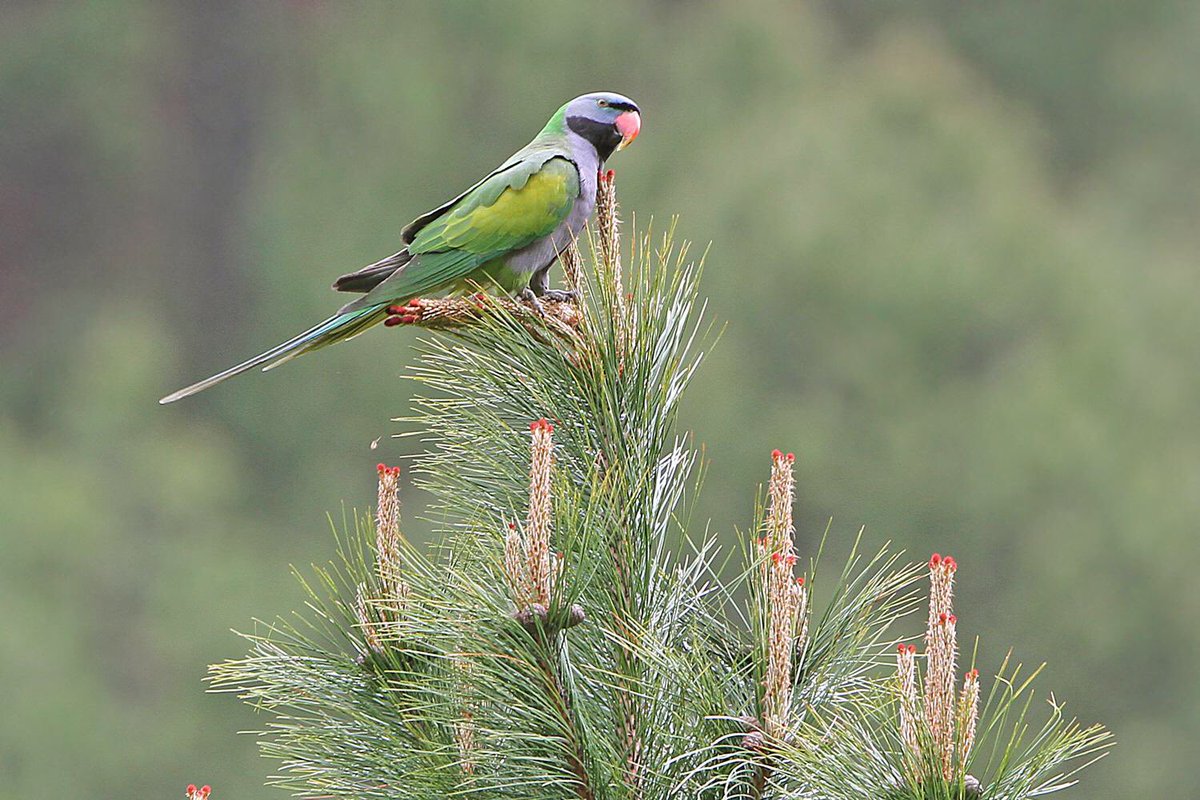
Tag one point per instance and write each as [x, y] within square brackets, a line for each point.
[453, 313]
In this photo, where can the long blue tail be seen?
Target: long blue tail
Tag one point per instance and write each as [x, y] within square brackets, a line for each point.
[341, 326]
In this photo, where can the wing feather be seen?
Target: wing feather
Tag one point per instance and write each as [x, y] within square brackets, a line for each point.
[506, 212]
[509, 210]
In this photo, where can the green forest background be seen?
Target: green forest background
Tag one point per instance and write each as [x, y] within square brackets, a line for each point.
[955, 245]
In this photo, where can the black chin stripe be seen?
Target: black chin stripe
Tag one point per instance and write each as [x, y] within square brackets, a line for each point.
[603, 136]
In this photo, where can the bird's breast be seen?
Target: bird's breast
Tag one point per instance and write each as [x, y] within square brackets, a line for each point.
[540, 254]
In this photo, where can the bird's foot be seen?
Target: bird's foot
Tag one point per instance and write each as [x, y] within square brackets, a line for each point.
[560, 296]
[407, 314]
[528, 296]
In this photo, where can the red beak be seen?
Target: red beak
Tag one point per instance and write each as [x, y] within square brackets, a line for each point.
[628, 125]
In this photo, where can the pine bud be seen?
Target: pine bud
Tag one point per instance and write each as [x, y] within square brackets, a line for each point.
[941, 647]
[786, 598]
[387, 534]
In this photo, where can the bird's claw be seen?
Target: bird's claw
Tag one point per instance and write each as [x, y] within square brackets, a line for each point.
[528, 296]
[406, 314]
[560, 296]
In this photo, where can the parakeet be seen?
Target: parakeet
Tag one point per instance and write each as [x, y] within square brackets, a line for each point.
[505, 231]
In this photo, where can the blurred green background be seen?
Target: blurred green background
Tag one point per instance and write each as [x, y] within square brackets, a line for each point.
[955, 243]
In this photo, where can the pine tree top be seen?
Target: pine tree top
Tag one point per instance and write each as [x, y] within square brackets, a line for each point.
[572, 634]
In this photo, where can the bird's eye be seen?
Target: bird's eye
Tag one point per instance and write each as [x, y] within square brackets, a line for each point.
[602, 103]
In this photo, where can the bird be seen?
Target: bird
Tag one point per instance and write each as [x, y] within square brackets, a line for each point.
[506, 231]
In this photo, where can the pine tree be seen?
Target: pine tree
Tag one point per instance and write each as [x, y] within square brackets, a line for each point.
[573, 634]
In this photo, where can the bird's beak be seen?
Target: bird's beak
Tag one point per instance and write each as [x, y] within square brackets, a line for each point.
[628, 124]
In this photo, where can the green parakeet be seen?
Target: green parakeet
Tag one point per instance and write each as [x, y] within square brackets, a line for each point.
[505, 231]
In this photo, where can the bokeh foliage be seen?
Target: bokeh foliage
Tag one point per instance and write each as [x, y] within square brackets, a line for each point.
[954, 243]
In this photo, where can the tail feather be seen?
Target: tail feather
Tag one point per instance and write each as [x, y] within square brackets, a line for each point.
[370, 276]
[343, 325]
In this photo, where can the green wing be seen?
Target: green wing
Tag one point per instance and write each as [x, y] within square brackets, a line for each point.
[508, 210]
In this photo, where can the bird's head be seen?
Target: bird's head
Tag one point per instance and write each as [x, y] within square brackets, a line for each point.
[608, 121]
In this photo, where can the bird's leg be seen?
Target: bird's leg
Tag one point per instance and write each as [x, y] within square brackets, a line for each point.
[539, 283]
[530, 296]
[406, 314]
